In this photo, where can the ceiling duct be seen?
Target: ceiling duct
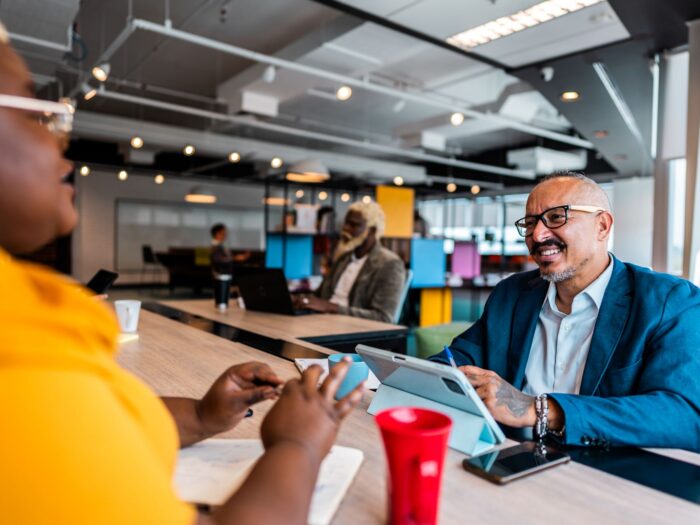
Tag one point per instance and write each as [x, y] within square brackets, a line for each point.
[544, 161]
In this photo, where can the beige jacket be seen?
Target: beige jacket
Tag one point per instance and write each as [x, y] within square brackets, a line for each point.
[376, 292]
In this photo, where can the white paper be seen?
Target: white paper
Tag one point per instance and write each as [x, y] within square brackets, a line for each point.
[210, 471]
[302, 364]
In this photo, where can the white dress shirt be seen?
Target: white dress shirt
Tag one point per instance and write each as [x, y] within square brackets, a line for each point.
[347, 279]
[562, 341]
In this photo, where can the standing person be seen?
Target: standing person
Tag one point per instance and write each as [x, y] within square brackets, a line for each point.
[221, 258]
[587, 348]
[84, 441]
[365, 279]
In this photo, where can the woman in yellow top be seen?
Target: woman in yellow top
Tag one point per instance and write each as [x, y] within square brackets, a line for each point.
[82, 440]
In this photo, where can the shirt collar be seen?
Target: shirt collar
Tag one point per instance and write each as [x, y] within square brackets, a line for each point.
[595, 291]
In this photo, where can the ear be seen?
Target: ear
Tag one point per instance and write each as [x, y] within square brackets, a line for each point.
[604, 225]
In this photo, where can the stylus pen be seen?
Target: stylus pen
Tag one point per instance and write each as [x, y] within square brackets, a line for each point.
[450, 356]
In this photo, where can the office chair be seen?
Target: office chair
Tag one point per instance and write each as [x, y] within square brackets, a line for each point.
[149, 261]
[404, 295]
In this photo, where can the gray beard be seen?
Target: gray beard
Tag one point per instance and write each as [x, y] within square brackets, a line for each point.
[348, 246]
[558, 277]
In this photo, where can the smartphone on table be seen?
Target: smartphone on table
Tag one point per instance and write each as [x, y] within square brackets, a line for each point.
[102, 281]
[515, 462]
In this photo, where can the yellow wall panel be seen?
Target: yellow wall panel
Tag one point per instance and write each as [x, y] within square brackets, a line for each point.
[435, 306]
[397, 204]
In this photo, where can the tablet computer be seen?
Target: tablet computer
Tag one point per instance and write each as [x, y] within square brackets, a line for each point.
[409, 381]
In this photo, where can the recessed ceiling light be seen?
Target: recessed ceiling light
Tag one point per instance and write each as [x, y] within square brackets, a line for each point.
[456, 119]
[398, 181]
[189, 150]
[101, 71]
[299, 194]
[345, 197]
[136, 142]
[600, 134]
[234, 157]
[451, 187]
[343, 93]
[570, 96]
[159, 179]
[507, 25]
[123, 175]
[475, 189]
[366, 199]
[322, 196]
[85, 171]
[276, 201]
[276, 162]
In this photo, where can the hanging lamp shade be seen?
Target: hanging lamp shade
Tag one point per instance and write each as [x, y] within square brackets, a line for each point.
[312, 171]
[201, 195]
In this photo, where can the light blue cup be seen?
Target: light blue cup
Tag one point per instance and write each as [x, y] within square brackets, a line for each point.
[357, 372]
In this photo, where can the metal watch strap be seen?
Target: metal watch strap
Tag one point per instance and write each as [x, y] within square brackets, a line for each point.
[541, 413]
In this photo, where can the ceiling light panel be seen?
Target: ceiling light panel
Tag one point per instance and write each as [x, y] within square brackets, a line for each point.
[507, 25]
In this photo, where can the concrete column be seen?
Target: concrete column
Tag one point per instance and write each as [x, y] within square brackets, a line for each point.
[660, 233]
[692, 202]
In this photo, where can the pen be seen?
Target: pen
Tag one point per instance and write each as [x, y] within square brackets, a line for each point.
[449, 356]
[249, 413]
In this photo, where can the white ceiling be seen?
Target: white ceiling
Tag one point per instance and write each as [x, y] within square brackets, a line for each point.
[309, 33]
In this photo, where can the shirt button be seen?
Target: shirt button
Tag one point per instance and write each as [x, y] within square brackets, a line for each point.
[585, 440]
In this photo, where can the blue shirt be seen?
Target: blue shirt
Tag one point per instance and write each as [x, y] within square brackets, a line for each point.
[560, 346]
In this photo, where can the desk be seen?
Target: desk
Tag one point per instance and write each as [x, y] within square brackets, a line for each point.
[179, 360]
[337, 332]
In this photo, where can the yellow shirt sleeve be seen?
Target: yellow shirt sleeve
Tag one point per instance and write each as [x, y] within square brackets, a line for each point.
[72, 454]
[82, 440]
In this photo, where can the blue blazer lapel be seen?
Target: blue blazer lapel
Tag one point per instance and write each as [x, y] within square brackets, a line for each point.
[526, 314]
[612, 318]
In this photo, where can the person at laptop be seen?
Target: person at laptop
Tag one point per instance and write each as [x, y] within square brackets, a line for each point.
[588, 348]
[84, 441]
[365, 279]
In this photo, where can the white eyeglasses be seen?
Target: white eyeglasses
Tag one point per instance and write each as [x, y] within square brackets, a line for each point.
[57, 117]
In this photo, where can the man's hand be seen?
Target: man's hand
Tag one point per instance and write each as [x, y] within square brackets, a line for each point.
[315, 303]
[229, 397]
[308, 416]
[507, 404]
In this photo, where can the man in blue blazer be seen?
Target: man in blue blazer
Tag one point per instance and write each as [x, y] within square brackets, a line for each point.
[590, 349]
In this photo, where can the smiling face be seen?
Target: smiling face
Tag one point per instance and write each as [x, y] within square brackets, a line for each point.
[576, 251]
[36, 205]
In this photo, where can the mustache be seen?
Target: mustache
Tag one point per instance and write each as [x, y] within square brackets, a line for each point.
[549, 242]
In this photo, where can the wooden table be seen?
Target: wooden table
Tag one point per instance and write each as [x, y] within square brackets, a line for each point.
[175, 359]
[338, 332]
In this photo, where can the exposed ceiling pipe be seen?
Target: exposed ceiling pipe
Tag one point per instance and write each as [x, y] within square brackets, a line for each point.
[335, 77]
[323, 137]
[64, 48]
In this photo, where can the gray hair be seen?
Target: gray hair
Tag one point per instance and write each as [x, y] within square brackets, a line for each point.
[373, 214]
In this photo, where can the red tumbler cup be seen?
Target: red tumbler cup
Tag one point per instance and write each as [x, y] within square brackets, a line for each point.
[415, 440]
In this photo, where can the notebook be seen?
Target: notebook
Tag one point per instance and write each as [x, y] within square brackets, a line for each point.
[209, 471]
[302, 364]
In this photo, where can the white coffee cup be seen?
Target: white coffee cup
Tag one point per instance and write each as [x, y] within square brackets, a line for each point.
[128, 315]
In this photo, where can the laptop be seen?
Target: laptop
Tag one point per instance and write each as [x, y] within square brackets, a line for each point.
[265, 290]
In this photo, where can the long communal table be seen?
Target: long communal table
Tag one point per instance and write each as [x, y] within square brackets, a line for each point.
[182, 354]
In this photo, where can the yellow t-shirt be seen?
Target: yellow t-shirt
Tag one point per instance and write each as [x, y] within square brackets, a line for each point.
[81, 441]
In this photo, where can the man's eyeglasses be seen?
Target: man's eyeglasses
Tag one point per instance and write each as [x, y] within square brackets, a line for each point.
[57, 117]
[552, 218]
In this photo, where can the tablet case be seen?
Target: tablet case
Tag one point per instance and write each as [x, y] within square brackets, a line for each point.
[470, 433]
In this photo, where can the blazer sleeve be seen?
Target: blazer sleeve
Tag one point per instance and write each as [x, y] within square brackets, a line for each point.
[388, 285]
[664, 410]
